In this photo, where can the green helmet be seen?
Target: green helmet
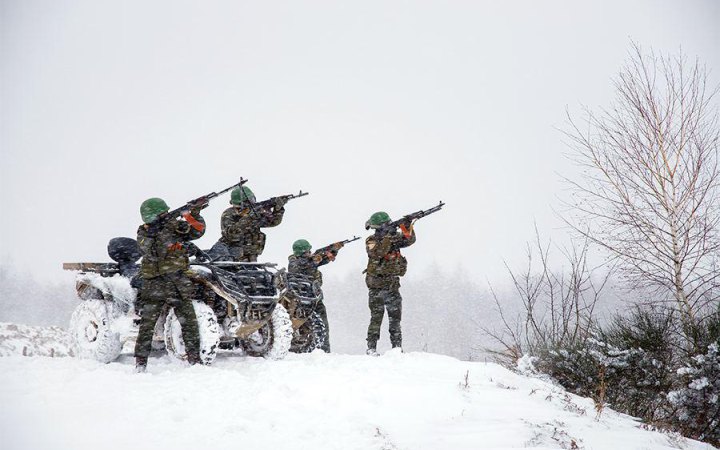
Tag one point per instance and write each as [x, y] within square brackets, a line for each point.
[241, 194]
[377, 219]
[301, 246]
[152, 208]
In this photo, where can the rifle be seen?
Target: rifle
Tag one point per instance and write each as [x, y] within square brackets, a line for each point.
[266, 204]
[199, 203]
[409, 218]
[330, 247]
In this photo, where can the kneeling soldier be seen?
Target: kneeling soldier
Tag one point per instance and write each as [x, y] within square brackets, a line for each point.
[304, 262]
[165, 281]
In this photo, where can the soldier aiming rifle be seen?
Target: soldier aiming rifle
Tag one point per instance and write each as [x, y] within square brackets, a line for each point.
[306, 262]
[163, 240]
[242, 239]
[385, 267]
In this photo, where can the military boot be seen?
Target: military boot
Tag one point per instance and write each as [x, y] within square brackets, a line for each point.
[194, 358]
[141, 364]
[371, 351]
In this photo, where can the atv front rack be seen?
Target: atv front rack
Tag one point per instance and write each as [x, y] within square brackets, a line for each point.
[252, 282]
[104, 269]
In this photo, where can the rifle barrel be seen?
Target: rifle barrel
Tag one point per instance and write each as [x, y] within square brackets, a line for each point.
[418, 215]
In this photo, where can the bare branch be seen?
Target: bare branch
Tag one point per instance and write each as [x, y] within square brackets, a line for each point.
[649, 189]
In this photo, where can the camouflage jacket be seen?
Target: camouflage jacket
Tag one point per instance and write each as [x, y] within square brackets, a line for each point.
[241, 227]
[164, 252]
[385, 262]
[308, 265]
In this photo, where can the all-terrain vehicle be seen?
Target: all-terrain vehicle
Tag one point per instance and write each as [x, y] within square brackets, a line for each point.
[245, 296]
[301, 298]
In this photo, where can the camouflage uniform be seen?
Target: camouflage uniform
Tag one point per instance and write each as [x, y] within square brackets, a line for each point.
[165, 282]
[385, 267]
[308, 265]
[241, 229]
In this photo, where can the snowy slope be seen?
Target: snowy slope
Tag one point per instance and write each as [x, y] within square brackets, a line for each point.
[315, 401]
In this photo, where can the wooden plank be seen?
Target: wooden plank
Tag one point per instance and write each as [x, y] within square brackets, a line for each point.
[92, 267]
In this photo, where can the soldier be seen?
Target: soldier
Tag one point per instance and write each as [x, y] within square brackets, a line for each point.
[163, 244]
[385, 267]
[241, 224]
[304, 262]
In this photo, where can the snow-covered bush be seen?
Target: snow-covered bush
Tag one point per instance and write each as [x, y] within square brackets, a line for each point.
[574, 368]
[641, 357]
[698, 399]
[640, 365]
[627, 366]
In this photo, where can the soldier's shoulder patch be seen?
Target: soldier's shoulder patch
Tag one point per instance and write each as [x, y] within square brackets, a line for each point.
[370, 243]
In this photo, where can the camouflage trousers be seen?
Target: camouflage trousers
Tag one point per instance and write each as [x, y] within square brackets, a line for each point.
[322, 312]
[238, 254]
[379, 301]
[174, 290]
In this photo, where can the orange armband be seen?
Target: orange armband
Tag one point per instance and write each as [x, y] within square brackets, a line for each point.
[407, 233]
[199, 226]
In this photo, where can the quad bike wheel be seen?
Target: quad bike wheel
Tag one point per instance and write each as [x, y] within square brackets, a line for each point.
[207, 327]
[91, 334]
[310, 336]
[272, 340]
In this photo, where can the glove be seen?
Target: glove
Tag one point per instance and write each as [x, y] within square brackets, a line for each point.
[280, 202]
[406, 223]
[338, 245]
[200, 205]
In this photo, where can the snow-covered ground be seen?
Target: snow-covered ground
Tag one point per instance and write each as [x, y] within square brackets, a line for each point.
[33, 341]
[313, 401]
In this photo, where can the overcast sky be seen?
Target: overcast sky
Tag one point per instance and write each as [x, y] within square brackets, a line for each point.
[372, 105]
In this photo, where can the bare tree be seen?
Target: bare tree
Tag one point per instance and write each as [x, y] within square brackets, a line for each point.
[649, 188]
[556, 306]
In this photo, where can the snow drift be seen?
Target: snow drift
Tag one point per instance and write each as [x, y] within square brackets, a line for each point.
[307, 401]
